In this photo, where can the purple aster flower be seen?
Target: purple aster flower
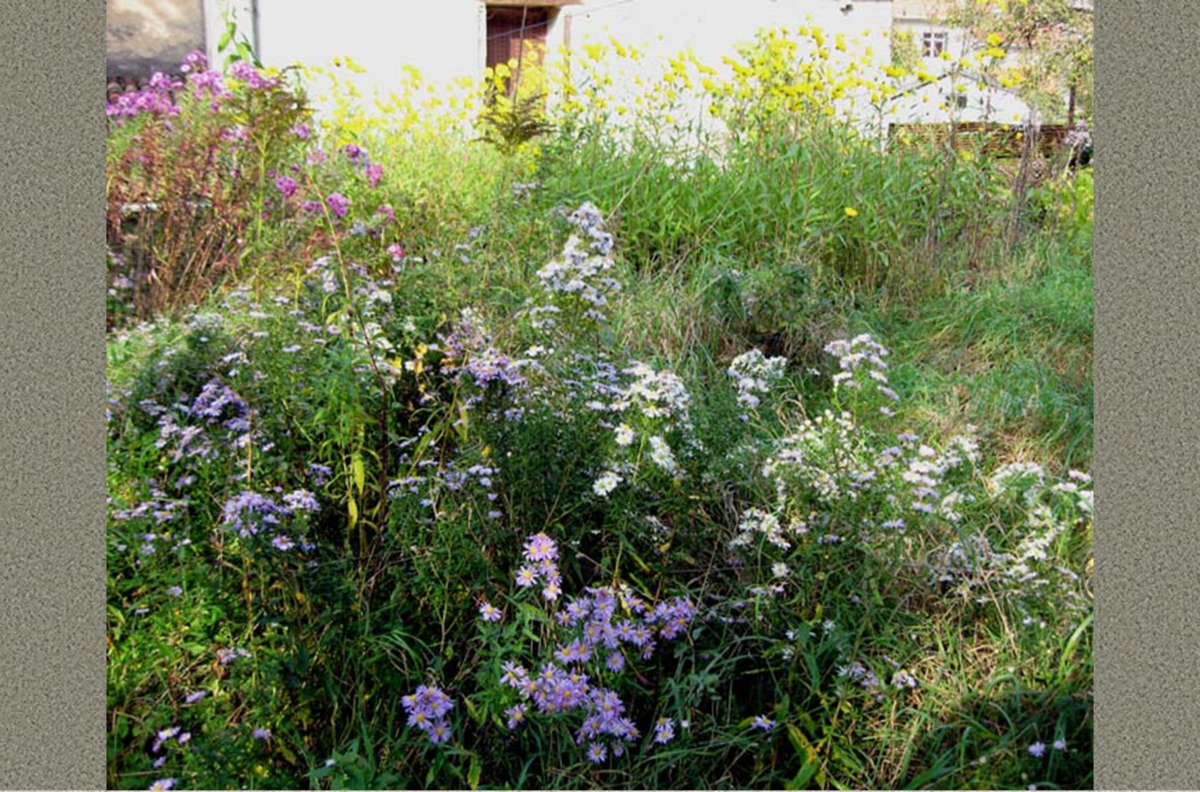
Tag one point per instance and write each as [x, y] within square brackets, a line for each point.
[421, 720]
[664, 730]
[246, 72]
[301, 500]
[163, 82]
[338, 204]
[175, 591]
[596, 753]
[578, 609]
[163, 783]
[762, 722]
[571, 653]
[593, 632]
[541, 548]
[321, 473]
[185, 737]
[588, 730]
[262, 734]
[608, 706]
[374, 174]
[627, 730]
[615, 662]
[548, 571]
[194, 697]
[516, 715]
[287, 186]
[301, 131]
[1060, 744]
[282, 542]
[514, 675]
[526, 577]
[194, 61]
[429, 702]
[489, 612]
[159, 762]
[439, 732]
[1037, 750]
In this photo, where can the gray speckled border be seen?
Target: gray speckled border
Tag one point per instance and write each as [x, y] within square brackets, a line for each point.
[1147, 375]
[52, 698]
[51, 490]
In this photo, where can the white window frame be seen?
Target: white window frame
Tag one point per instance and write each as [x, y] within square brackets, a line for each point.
[930, 39]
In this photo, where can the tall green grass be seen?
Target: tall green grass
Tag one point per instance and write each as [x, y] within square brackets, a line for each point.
[716, 252]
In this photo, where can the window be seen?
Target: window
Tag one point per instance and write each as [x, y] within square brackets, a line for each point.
[933, 44]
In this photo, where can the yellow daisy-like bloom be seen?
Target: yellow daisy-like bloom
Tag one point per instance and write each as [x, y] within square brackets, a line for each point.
[851, 211]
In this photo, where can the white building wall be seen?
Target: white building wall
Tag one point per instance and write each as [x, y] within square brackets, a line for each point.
[445, 39]
[712, 30]
[935, 102]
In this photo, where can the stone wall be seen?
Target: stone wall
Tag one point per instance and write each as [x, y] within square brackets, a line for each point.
[145, 36]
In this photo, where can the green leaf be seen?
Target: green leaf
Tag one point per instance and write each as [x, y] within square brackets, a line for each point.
[814, 675]
[230, 31]
[802, 777]
[474, 772]
[810, 761]
[804, 748]
[530, 612]
[360, 476]
[847, 760]
[474, 712]
[462, 423]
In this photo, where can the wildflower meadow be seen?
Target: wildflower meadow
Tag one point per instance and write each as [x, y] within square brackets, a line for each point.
[509, 436]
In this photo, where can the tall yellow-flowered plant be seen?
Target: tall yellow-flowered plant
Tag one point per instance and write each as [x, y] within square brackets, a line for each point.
[791, 78]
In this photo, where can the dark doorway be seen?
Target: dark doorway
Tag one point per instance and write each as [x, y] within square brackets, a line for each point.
[516, 33]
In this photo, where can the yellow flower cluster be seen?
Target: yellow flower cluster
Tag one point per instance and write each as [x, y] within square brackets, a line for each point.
[797, 75]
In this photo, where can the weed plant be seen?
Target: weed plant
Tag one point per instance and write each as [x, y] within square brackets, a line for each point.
[598, 458]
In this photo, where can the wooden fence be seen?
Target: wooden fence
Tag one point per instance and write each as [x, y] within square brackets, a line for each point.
[997, 140]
